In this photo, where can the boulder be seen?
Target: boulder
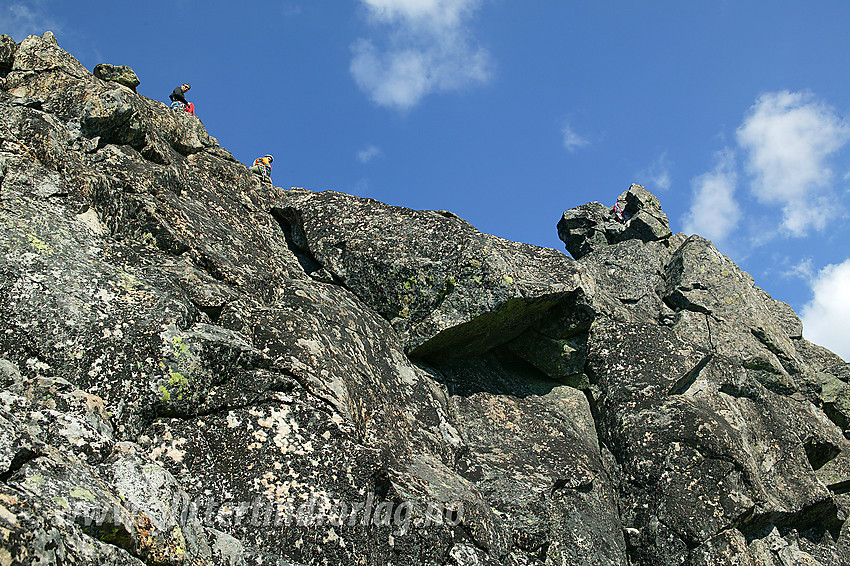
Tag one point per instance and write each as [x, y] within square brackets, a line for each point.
[43, 54]
[740, 321]
[531, 448]
[121, 74]
[702, 445]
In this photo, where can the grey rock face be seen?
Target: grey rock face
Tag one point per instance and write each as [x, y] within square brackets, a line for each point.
[200, 368]
[444, 286]
[705, 390]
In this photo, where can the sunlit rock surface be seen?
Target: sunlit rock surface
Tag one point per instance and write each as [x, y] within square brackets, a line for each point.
[198, 367]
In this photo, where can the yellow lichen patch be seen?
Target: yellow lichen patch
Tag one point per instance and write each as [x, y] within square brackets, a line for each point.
[33, 481]
[164, 393]
[177, 379]
[39, 245]
[180, 347]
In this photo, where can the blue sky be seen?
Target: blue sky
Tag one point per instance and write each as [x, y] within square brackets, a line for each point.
[507, 113]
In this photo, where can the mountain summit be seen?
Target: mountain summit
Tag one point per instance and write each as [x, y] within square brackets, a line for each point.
[199, 367]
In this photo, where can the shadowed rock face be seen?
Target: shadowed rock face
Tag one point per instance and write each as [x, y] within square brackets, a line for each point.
[198, 367]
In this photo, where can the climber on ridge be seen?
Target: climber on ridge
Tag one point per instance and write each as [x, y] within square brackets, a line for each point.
[620, 211]
[178, 98]
[263, 166]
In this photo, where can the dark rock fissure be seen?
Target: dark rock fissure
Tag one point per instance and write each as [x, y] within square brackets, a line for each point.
[22, 457]
[820, 452]
[837, 416]
[113, 535]
[690, 542]
[783, 358]
[562, 483]
[213, 312]
[678, 302]
[531, 381]
[840, 488]
[293, 234]
[816, 518]
[603, 439]
[711, 345]
[258, 401]
[208, 264]
[684, 383]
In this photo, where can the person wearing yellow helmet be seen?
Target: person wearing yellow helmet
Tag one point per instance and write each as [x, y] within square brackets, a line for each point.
[263, 166]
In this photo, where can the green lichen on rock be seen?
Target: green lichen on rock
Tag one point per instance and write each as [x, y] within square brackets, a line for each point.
[562, 359]
[79, 492]
[165, 394]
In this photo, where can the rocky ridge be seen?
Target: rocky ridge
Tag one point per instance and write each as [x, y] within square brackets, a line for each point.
[201, 368]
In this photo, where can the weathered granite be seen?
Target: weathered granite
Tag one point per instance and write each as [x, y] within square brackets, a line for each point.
[200, 368]
[121, 74]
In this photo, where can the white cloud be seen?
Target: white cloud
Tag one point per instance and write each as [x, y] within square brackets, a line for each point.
[657, 175]
[803, 270]
[714, 211]
[439, 14]
[368, 154]
[572, 140]
[825, 317]
[20, 20]
[429, 49]
[790, 137]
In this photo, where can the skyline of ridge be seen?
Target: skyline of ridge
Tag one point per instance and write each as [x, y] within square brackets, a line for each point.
[507, 114]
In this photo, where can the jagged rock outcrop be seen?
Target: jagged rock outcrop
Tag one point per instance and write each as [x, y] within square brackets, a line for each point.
[709, 399]
[636, 216]
[198, 367]
[121, 74]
